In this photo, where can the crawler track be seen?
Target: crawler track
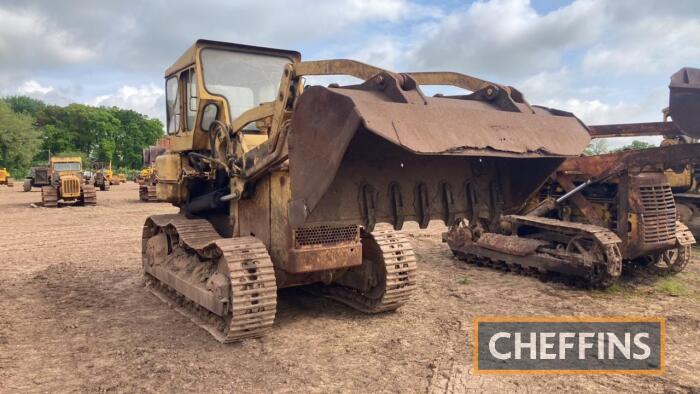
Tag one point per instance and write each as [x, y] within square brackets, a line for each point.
[393, 255]
[148, 193]
[675, 260]
[89, 195]
[224, 285]
[49, 196]
[587, 254]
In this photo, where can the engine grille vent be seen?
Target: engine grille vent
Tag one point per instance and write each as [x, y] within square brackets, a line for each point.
[659, 215]
[70, 187]
[325, 235]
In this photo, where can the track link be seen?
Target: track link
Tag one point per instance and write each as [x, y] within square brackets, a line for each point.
[241, 266]
[393, 255]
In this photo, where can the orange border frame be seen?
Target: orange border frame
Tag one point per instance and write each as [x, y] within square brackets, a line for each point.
[569, 319]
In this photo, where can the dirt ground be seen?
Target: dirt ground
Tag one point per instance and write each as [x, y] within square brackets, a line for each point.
[74, 316]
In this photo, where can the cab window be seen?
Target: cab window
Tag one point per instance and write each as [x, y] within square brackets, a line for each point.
[172, 99]
[190, 79]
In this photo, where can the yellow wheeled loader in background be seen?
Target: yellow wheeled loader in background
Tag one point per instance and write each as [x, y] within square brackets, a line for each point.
[282, 185]
[67, 186]
[5, 177]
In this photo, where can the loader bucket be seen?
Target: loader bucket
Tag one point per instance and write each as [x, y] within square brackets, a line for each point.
[684, 100]
[383, 152]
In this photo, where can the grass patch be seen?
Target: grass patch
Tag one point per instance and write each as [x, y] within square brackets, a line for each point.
[615, 288]
[672, 286]
[464, 281]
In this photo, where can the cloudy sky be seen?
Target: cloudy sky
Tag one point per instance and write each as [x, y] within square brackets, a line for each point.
[605, 60]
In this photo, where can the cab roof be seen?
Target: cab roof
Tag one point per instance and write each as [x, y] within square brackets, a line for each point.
[188, 58]
[66, 159]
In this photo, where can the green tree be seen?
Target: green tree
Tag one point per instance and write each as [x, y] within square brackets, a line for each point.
[136, 132]
[598, 146]
[81, 128]
[19, 140]
[96, 134]
[636, 144]
[25, 105]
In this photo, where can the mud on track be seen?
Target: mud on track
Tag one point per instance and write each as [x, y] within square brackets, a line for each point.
[74, 316]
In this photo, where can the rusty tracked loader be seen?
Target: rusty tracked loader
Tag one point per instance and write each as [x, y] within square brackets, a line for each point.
[280, 184]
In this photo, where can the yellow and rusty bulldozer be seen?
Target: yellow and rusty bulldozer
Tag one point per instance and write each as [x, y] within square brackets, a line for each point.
[67, 186]
[5, 178]
[282, 184]
[636, 205]
[625, 192]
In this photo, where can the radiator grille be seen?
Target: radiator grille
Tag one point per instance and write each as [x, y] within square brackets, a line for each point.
[659, 214]
[70, 187]
[325, 235]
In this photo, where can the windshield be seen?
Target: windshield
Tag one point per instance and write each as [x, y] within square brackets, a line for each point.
[66, 166]
[245, 80]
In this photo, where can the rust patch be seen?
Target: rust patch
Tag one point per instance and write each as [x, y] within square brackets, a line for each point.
[511, 244]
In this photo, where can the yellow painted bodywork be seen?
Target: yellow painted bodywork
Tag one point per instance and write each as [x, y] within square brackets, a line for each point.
[169, 169]
[146, 172]
[70, 181]
[4, 175]
[682, 180]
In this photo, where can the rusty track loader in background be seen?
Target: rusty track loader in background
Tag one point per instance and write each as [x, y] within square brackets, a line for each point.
[282, 185]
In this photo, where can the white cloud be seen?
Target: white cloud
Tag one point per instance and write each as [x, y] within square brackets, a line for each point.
[647, 46]
[146, 99]
[33, 87]
[506, 37]
[30, 40]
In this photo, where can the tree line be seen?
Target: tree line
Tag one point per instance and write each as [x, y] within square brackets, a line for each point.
[31, 130]
[599, 146]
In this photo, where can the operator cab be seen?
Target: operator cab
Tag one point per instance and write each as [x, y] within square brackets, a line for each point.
[216, 81]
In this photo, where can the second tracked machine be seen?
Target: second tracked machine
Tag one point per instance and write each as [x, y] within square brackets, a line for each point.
[281, 184]
[66, 186]
[147, 178]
